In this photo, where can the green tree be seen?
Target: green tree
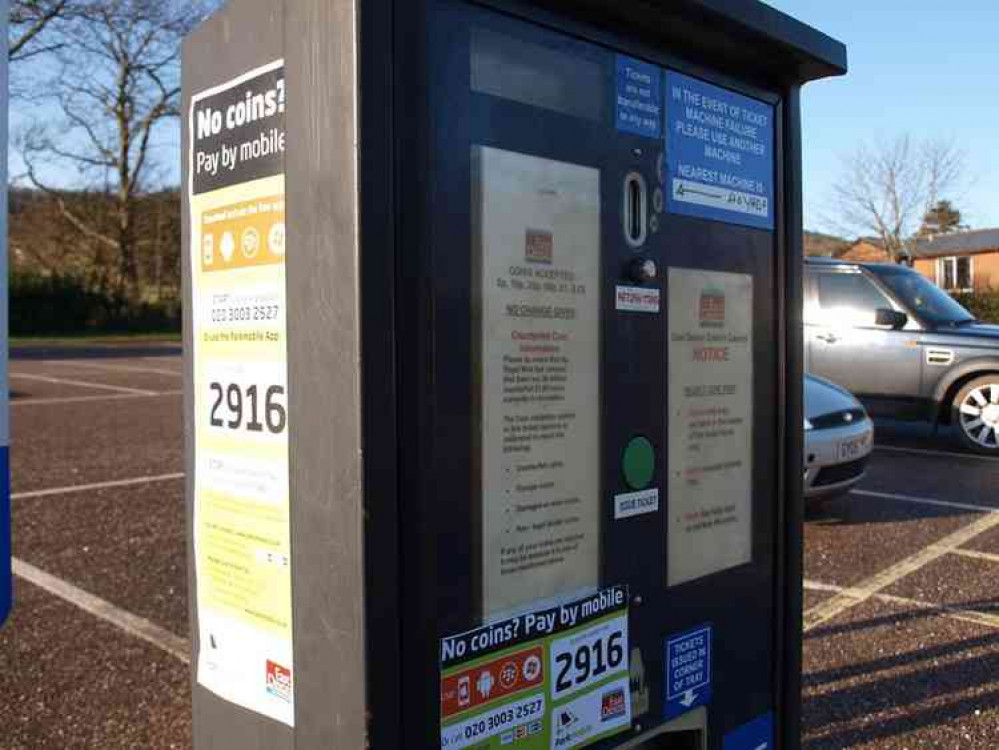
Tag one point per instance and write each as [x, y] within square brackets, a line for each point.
[941, 218]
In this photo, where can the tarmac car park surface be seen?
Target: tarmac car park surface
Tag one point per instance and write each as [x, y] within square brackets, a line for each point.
[94, 655]
[902, 616]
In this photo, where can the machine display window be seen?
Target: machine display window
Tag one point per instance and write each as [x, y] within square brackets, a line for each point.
[536, 75]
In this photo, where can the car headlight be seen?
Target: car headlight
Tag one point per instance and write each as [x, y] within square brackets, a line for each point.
[808, 425]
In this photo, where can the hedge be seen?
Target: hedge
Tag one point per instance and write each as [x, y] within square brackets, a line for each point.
[983, 305]
[42, 305]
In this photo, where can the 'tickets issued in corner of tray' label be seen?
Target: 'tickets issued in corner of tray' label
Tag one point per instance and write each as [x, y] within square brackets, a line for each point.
[241, 491]
[551, 679]
[537, 255]
[709, 513]
[687, 663]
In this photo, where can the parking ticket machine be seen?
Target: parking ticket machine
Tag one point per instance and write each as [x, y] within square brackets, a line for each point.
[494, 373]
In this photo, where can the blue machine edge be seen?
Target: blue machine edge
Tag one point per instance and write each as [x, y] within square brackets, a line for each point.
[6, 574]
[757, 734]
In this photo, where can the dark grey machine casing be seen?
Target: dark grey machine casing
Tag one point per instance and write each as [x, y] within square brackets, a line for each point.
[356, 184]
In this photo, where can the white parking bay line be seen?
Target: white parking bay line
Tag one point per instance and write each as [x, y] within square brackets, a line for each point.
[844, 600]
[956, 613]
[81, 399]
[927, 501]
[134, 625]
[97, 486]
[975, 555]
[83, 384]
[111, 368]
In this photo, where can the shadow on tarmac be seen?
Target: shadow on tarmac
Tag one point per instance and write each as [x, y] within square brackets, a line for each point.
[815, 679]
[905, 724]
[954, 668]
[860, 510]
[95, 351]
[917, 435]
[916, 690]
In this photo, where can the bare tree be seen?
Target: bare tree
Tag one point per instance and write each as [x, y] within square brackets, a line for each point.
[887, 187]
[30, 24]
[118, 82]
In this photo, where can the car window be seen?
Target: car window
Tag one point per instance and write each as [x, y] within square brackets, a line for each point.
[850, 298]
[812, 312]
[924, 297]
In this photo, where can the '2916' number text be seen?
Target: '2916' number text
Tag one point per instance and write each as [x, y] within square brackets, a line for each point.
[236, 407]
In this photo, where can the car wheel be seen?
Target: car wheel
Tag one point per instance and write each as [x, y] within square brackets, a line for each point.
[976, 414]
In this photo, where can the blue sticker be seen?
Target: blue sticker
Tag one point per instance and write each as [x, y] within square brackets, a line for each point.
[6, 598]
[719, 154]
[688, 671]
[639, 97]
[756, 735]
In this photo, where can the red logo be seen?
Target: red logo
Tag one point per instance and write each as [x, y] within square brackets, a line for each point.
[539, 246]
[278, 681]
[509, 674]
[712, 308]
[612, 705]
[532, 668]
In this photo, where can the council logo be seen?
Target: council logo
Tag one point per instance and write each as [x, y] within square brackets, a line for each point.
[712, 308]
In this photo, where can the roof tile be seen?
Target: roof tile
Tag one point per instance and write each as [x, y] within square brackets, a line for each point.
[958, 243]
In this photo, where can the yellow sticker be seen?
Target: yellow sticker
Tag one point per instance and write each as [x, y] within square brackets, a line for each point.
[238, 315]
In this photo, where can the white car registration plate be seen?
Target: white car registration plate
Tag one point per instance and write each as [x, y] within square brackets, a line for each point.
[852, 448]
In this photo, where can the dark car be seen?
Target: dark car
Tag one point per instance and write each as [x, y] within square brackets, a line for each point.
[903, 346]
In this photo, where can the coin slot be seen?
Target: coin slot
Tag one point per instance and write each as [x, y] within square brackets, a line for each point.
[635, 211]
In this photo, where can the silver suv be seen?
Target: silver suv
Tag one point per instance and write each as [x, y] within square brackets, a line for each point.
[903, 346]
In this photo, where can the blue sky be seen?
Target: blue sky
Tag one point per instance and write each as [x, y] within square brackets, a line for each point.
[926, 68]
[916, 67]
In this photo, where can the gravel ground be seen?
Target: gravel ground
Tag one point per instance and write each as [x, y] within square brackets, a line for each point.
[882, 673]
[884, 676]
[885, 673]
[69, 679]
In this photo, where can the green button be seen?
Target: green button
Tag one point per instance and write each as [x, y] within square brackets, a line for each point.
[639, 463]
